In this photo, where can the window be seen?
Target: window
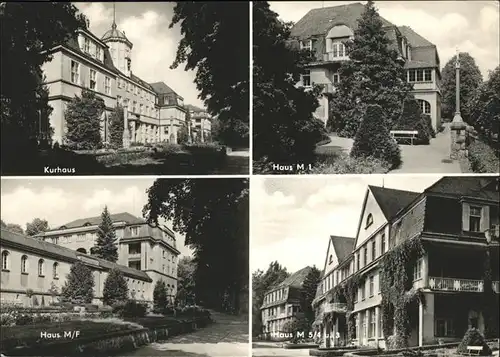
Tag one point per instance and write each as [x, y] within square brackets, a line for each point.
[86, 45]
[141, 109]
[24, 264]
[40, 267]
[475, 219]
[365, 256]
[411, 76]
[372, 285]
[444, 327]
[119, 99]
[427, 75]
[363, 292]
[336, 78]
[382, 244]
[425, 106]
[379, 322]
[93, 82]
[373, 322]
[133, 106]
[374, 249]
[338, 276]
[356, 296]
[330, 261]
[55, 275]
[134, 230]
[306, 78]
[5, 260]
[306, 45]
[136, 90]
[417, 270]
[358, 256]
[107, 85]
[369, 220]
[420, 75]
[147, 110]
[99, 53]
[75, 72]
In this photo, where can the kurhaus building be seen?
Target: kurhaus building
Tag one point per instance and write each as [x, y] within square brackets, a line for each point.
[324, 31]
[282, 303]
[456, 218]
[154, 112]
[146, 254]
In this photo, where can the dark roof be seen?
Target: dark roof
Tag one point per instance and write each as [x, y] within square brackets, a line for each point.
[137, 80]
[114, 34]
[320, 21]
[93, 221]
[162, 88]
[343, 246]
[391, 201]
[295, 280]
[414, 39]
[43, 246]
[72, 44]
[471, 186]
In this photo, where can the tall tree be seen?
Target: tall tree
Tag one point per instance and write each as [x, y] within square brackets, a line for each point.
[116, 127]
[373, 75]
[115, 288]
[186, 281]
[485, 107]
[222, 71]
[308, 293]
[83, 119]
[105, 247]
[160, 299]
[213, 216]
[79, 285]
[29, 32]
[284, 129]
[36, 226]
[470, 79]
[16, 228]
[261, 283]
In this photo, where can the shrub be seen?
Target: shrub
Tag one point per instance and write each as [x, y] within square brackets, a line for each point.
[116, 128]
[24, 319]
[129, 308]
[373, 138]
[428, 123]
[482, 158]
[345, 164]
[473, 338]
[413, 119]
[160, 300]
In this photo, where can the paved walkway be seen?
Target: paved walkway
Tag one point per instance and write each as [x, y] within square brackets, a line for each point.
[228, 336]
[261, 350]
[344, 144]
[432, 158]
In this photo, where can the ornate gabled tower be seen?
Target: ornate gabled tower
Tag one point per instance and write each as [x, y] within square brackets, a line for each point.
[120, 47]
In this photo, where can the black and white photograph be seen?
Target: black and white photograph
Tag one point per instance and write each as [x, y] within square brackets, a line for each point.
[375, 265]
[124, 267]
[125, 88]
[345, 87]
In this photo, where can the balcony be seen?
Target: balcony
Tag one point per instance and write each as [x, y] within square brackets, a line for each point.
[334, 57]
[335, 307]
[463, 285]
[493, 233]
[134, 255]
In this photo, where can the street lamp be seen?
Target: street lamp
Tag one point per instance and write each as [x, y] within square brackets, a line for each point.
[458, 117]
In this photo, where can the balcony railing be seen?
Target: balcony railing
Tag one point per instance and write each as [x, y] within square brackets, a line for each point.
[466, 285]
[134, 255]
[333, 57]
[493, 233]
[335, 307]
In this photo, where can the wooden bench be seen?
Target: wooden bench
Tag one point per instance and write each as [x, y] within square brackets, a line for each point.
[476, 350]
[410, 135]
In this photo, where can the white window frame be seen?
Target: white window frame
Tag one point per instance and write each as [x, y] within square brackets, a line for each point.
[86, 45]
[476, 215]
[93, 79]
[24, 264]
[336, 78]
[371, 286]
[107, 85]
[306, 47]
[75, 72]
[425, 106]
[41, 267]
[5, 260]
[417, 270]
[307, 74]
[55, 275]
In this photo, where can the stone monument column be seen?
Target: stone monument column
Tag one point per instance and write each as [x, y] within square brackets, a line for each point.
[457, 125]
[126, 132]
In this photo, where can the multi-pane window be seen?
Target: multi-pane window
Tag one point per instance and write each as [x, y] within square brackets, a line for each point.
[93, 79]
[382, 244]
[55, 274]
[371, 285]
[24, 264]
[475, 219]
[379, 322]
[365, 256]
[75, 72]
[363, 292]
[338, 49]
[306, 78]
[107, 85]
[306, 45]
[373, 323]
[86, 45]
[99, 53]
[357, 261]
[425, 106]
[444, 327]
[374, 249]
[417, 270]
[420, 75]
[40, 267]
[134, 231]
[335, 78]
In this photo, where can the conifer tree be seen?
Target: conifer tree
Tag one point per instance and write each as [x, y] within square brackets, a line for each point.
[413, 119]
[79, 284]
[116, 127]
[160, 300]
[308, 293]
[115, 288]
[105, 247]
[374, 74]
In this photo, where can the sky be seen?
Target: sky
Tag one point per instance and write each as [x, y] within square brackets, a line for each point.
[294, 216]
[63, 200]
[472, 26]
[146, 25]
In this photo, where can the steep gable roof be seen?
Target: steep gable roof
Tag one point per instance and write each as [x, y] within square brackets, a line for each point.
[414, 39]
[343, 246]
[295, 280]
[118, 217]
[66, 253]
[320, 21]
[143, 83]
[391, 201]
[472, 186]
[162, 88]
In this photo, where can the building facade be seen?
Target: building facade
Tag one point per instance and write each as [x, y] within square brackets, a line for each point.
[281, 304]
[457, 217]
[104, 66]
[201, 122]
[147, 254]
[323, 31]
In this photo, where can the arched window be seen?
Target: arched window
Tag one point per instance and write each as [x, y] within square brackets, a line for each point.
[425, 106]
[5, 260]
[54, 270]
[24, 264]
[369, 220]
[40, 267]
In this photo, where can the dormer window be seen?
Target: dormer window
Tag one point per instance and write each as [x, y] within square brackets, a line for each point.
[306, 45]
[86, 45]
[475, 219]
[369, 220]
[338, 49]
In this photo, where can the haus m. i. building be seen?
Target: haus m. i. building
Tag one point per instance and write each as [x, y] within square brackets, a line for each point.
[457, 222]
[34, 269]
[323, 31]
[154, 112]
